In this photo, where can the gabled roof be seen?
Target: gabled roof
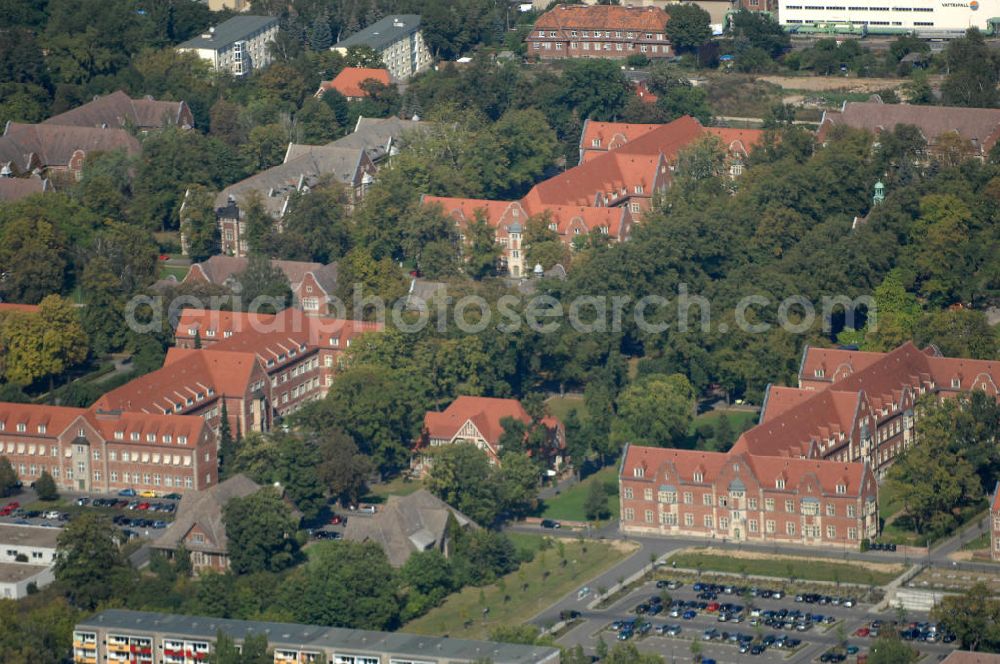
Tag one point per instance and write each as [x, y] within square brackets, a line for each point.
[218, 269]
[54, 145]
[54, 419]
[738, 140]
[995, 502]
[382, 33]
[117, 110]
[780, 398]
[831, 361]
[235, 29]
[304, 165]
[611, 17]
[185, 374]
[822, 416]
[326, 277]
[348, 81]
[485, 413]
[7, 307]
[979, 125]
[13, 189]
[204, 510]
[151, 429]
[611, 135]
[406, 524]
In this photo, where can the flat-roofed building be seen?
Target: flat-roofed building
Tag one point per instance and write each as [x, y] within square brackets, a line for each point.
[27, 554]
[145, 638]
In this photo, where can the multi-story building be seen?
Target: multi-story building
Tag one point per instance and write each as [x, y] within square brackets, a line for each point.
[860, 407]
[398, 41]
[58, 151]
[742, 497]
[979, 128]
[117, 635]
[478, 421]
[27, 554]
[237, 46]
[599, 31]
[118, 110]
[932, 17]
[102, 450]
[995, 524]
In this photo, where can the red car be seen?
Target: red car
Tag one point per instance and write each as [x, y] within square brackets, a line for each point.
[712, 607]
[336, 520]
[862, 631]
[9, 507]
[142, 506]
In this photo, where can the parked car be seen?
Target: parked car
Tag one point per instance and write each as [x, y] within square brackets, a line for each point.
[147, 494]
[82, 500]
[690, 614]
[583, 592]
[568, 615]
[550, 524]
[51, 514]
[127, 493]
[337, 520]
[173, 496]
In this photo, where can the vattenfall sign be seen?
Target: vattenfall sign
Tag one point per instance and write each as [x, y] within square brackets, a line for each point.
[974, 5]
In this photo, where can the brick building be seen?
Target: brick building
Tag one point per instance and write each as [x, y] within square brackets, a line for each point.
[742, 497]
[477, 421]
[102, 451]
[58, 151]
[599, 31]
[622, 166]
[854, 406]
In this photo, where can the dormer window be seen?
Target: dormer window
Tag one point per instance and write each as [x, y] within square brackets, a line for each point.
[167, 438]
[150, 437]
[22, 427]
[192, 331]
[135, 436]
[119, 435]
[699, 476]
[41, 428]
[779, 483]
[270, 363]
[334, 341]
[553, 227]
[209, 333]
[639, 471]
[596, 142]
[956, 383]
[638, 189]
[841, 488]
[819, 373]
[227, 333]
[182, 440]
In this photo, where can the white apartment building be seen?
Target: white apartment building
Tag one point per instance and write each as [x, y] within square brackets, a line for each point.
[398, 40]
[27, 554]
[237, 46]
[894, 15]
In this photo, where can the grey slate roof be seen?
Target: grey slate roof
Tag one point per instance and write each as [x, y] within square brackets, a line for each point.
[407, 524]
[233, 30]
[384, 32]
[377, 135]
[219, 268]
[303, 166]
[204, 509]
[12, 189]
[339, 640]
[980, 125]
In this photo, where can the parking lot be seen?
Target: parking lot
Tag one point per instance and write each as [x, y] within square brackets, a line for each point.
[734, 624]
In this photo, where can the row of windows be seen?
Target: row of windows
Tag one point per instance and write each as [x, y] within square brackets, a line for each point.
[808, 508]
[607, 46]
[770, 527]
[606, 34]
[152, 479]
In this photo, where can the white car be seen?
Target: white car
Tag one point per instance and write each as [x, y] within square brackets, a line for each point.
[583, 592]
[51, 514]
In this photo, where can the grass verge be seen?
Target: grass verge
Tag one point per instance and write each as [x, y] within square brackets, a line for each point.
[788, 567]
[568, 506]
[521, 594]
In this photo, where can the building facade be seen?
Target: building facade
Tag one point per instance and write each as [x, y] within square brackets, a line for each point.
[103, 451]
[859, 407]
[599, 31]
[237, 46]
[117, 635]
[398, 41]
[922, 17]
[740, 497]
[27, 554]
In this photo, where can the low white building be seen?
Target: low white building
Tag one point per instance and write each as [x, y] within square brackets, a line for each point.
[237, 46]
[398, 40]
[892, 15]
[27, 554]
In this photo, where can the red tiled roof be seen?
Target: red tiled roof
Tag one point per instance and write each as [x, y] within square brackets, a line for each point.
[485, 413]
[55, 419]
[348, 81]
[790, 433]
[6, 307]
[610, 17]
[185, 374]
[611, 135]
[780, 398]
[766, 469]
[995, 503]
[257, 333]
[122, 425]
[738, 140]
[833, 363]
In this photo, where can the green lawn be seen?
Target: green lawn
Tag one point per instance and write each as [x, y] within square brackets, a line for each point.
[568, 506]
[800, 568]
[178, 271]
[560, 407]
[981, 543]
[509, 601]
[399, 486]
